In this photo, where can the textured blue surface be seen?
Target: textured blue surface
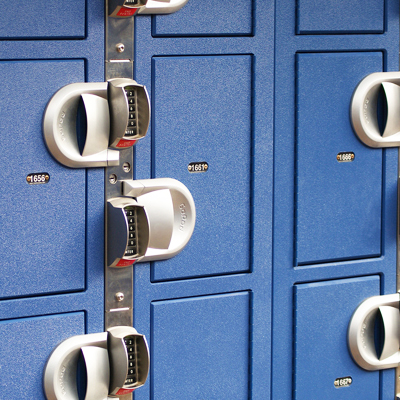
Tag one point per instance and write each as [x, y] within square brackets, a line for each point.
[338, 204]
[26, 344]
[222, 312]
[208, 102]
[340, 16]
[42, 19]
[322, 313]
[197, 341]
[43, 226]
[51, 235]
[290, 48]
[201, 114]
[207, 18]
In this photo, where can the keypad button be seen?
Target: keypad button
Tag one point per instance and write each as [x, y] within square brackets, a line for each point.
[130, 131]
[129, 341]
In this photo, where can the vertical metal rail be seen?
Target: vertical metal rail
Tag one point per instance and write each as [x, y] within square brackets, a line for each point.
[119, 54]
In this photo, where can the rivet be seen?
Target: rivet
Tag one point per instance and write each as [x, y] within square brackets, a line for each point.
[119, 296]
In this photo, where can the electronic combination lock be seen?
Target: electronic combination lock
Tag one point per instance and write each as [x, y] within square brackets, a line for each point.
[116, 363]
[372, 128]
[153, 221]
[127, 8]
[113, 115]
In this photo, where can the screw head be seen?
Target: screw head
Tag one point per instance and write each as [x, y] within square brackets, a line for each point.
[120, 47]
[126, 167]
[119, 296]
[113, 179]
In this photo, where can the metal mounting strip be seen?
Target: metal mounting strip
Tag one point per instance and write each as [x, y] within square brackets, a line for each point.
[119, 64]
[118, 281]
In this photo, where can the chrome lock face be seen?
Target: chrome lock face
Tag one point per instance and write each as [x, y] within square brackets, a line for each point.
[365, 117]
[153, 221]
[116, 114]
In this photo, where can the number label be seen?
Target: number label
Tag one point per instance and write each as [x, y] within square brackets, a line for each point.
[38, 178]
[198, 167]
[343, 382]
[345, 156]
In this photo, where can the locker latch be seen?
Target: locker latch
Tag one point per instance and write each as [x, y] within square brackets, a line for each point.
[363, 338]
[115, 363]
[153, 220]
[372, 126]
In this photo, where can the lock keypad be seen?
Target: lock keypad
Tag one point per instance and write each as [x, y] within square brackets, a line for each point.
[132, 248]
[133, 361]
[132, 122]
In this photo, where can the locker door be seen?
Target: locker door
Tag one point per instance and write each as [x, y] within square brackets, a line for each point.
[51, 229]
[206, 312]
[336, 221]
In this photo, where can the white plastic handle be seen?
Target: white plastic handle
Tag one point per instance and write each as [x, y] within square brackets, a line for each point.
[364, 109]
[171, 213]
[59, 126]
[361, 333]
[162, 6]
[60, 373]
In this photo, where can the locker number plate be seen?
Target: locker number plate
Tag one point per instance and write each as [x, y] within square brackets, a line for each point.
[38, 178]
[345, 156]
[198, 167]
[343, 382]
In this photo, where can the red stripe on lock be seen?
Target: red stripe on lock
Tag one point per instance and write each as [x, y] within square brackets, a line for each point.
[125, 263]
[124, 391]
[125, 143]
[126, 12]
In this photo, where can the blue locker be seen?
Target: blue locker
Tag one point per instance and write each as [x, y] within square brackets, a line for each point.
[52, 235]
[288, 240]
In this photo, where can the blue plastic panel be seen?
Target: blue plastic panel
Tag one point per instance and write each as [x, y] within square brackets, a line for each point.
[200, 347]
[338, 203]
[207, 18]
[340, 16]
[323, 312]
[42, 19]
[43, 226]
[202, 112]
[26, 345]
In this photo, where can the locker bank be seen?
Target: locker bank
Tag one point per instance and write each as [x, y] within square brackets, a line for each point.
[199, 200]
